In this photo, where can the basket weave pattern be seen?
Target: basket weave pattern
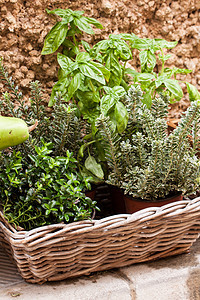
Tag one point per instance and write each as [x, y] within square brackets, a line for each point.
[61, 251]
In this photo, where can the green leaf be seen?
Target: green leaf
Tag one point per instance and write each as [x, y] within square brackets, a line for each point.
[77, 13]
[91, 71]
[54, 38]
[147, 60]
[173, 86]
[139, 43]
[74, 84]
[160, 80]
[95, 168]
[122, 50]
[160, 44]
[68, 44]
[181, 71]
[119, 91]
[64, 61]
[60, 12]
[144, 77]
[82, 57]
[94, 22]
[147, 99]
[66, 64]
[101, 46]
[83, 25]
[102, 68]
[107, 103]
[164, 58]
[131, 72]
[121, 116]
[86, 46]
[115, 68]
[194, 94]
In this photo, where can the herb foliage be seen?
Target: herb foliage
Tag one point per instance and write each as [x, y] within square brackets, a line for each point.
[149, 163]
[97, 78]
[41, 181]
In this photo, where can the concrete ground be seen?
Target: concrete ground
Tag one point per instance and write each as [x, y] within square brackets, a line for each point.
[175, 278]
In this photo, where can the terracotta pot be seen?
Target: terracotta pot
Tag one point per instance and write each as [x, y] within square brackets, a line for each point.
[117, 199]
[133, 205]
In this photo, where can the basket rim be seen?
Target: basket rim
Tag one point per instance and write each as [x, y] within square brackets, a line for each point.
[111, 222]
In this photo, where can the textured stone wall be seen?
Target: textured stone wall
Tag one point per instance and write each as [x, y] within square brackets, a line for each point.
[24, 25]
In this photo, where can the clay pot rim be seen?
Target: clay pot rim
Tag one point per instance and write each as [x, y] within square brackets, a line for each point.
[171, 197]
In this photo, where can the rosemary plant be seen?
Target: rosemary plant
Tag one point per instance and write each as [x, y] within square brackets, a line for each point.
[59, 124]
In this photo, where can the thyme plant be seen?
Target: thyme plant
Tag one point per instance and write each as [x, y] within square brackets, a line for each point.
[150, 164]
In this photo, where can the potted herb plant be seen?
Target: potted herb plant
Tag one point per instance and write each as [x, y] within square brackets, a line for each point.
[41, 182]
[97, 78]
[148, 164]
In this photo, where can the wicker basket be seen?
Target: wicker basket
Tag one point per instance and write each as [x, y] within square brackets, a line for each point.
[61, 251]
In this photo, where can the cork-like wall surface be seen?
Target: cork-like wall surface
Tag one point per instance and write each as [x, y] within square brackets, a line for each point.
[24, 25]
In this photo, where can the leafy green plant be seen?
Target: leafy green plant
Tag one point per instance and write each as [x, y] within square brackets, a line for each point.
[43, 190]
[105, 64]
[151, 164]
[96, 78]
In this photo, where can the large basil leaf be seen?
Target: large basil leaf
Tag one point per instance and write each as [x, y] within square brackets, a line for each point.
[75, 84]
[102, 68]
[64, 61]
[54, 38]
[173, 86]
[121, 116]
[94, 22]
[107, 102]
[66, 64]
[119, 91]
[91, 71]
[83, 25]
[82, 57]
[95, 168]
[194, 94]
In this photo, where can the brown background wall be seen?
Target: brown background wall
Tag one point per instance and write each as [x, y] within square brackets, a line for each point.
[24, 25]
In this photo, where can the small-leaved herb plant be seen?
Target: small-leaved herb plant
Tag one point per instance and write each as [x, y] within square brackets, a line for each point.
[42, 189]
[96, 78]
[149, 163]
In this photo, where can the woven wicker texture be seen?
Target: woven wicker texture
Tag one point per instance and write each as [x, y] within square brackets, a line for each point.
[60, 251]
